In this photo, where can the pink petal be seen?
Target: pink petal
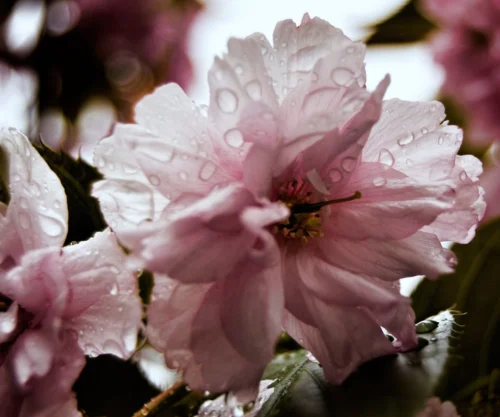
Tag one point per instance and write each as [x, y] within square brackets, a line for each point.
[38, 283]
[391, 206]
[419, 254]
[103, 306]
[37, 206]
[179, 153]
[206, 241]
[226, 336]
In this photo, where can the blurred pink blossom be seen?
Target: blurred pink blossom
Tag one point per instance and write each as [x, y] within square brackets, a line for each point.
[468, 48]
[435, 408]
[296, 199]
[56, 304]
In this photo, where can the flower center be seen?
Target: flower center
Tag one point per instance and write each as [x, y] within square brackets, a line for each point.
[305, 220]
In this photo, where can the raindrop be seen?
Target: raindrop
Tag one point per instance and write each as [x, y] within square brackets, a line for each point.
[50, 226]
[441, 140]
[238, 69]
[234, 138]
[153, 179]
[183, 175]
[342, 76]
[385, 157]
[379, 182]
[114, 289]
[405, 139]
[207, 170]
[424, 130]
[348, 164]
[463, 176]
[57, 204]
[129, 169]
[227, 101]
[254, 90]
[283, 44]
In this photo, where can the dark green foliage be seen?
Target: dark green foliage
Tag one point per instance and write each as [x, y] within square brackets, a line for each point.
[473, 289]
[406, 25]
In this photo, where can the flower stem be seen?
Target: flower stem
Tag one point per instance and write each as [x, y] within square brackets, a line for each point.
[152, 406]
[311, 208]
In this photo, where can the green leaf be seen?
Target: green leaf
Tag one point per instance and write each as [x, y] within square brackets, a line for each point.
[398, 385]
[76, 176]
[407, 25]
[472, 289]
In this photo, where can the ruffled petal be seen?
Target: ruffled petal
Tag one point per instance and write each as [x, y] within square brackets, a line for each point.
[221, 335]
[206, 240]
[37, 205]
[419, 254]
[103, 306]
[392, 206]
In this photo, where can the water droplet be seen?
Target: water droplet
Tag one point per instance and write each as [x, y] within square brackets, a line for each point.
[183, 175]
[342, 76]
[238, 69]
[254, 90]
[441, 140]
[57, 203]
[129, 169]
[115, 270]
[424, 130]
[433, 339]
[405, 139]
[409, 162]
[100, 162]
[285, 90]
[385, 157]
[51, 226]
[263, 50]
[379, 182]
[227, 101]
[348, 164]
[153, 179]
[207, 170]
[24, 203]
[283, 44]
[463, 176]
[234, 138]
[114, 289]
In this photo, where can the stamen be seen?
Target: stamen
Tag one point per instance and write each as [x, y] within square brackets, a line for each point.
[311, 208]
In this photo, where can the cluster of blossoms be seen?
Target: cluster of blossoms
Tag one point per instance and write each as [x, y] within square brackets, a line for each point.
[468, 48]
[296, 200]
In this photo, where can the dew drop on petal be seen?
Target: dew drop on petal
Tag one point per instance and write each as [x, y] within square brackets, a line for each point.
[379, 181]
[441, 140]
[254, 90]
[183, 175]
[263, 50]
[335, 175]
[153, 179]
[57, 203]
[114, 289]
[50, 226]
[227, 101]
[24, 203]
[405, 139]
[238, 69]
[385, 157]
[348, 164]
[234, 138]
[424, 130]
[409, 162]
[207, 170]
[463, 176]
[342, 76]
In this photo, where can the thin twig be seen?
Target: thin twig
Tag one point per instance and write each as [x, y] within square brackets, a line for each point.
[151, 406]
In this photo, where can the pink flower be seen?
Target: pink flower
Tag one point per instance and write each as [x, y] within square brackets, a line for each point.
[435, 408]
[468, 48]
[299, 202]
[56, 304]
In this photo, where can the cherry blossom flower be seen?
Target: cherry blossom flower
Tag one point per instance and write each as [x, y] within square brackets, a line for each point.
[468, 48]
[296, 199]
[56, 303]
